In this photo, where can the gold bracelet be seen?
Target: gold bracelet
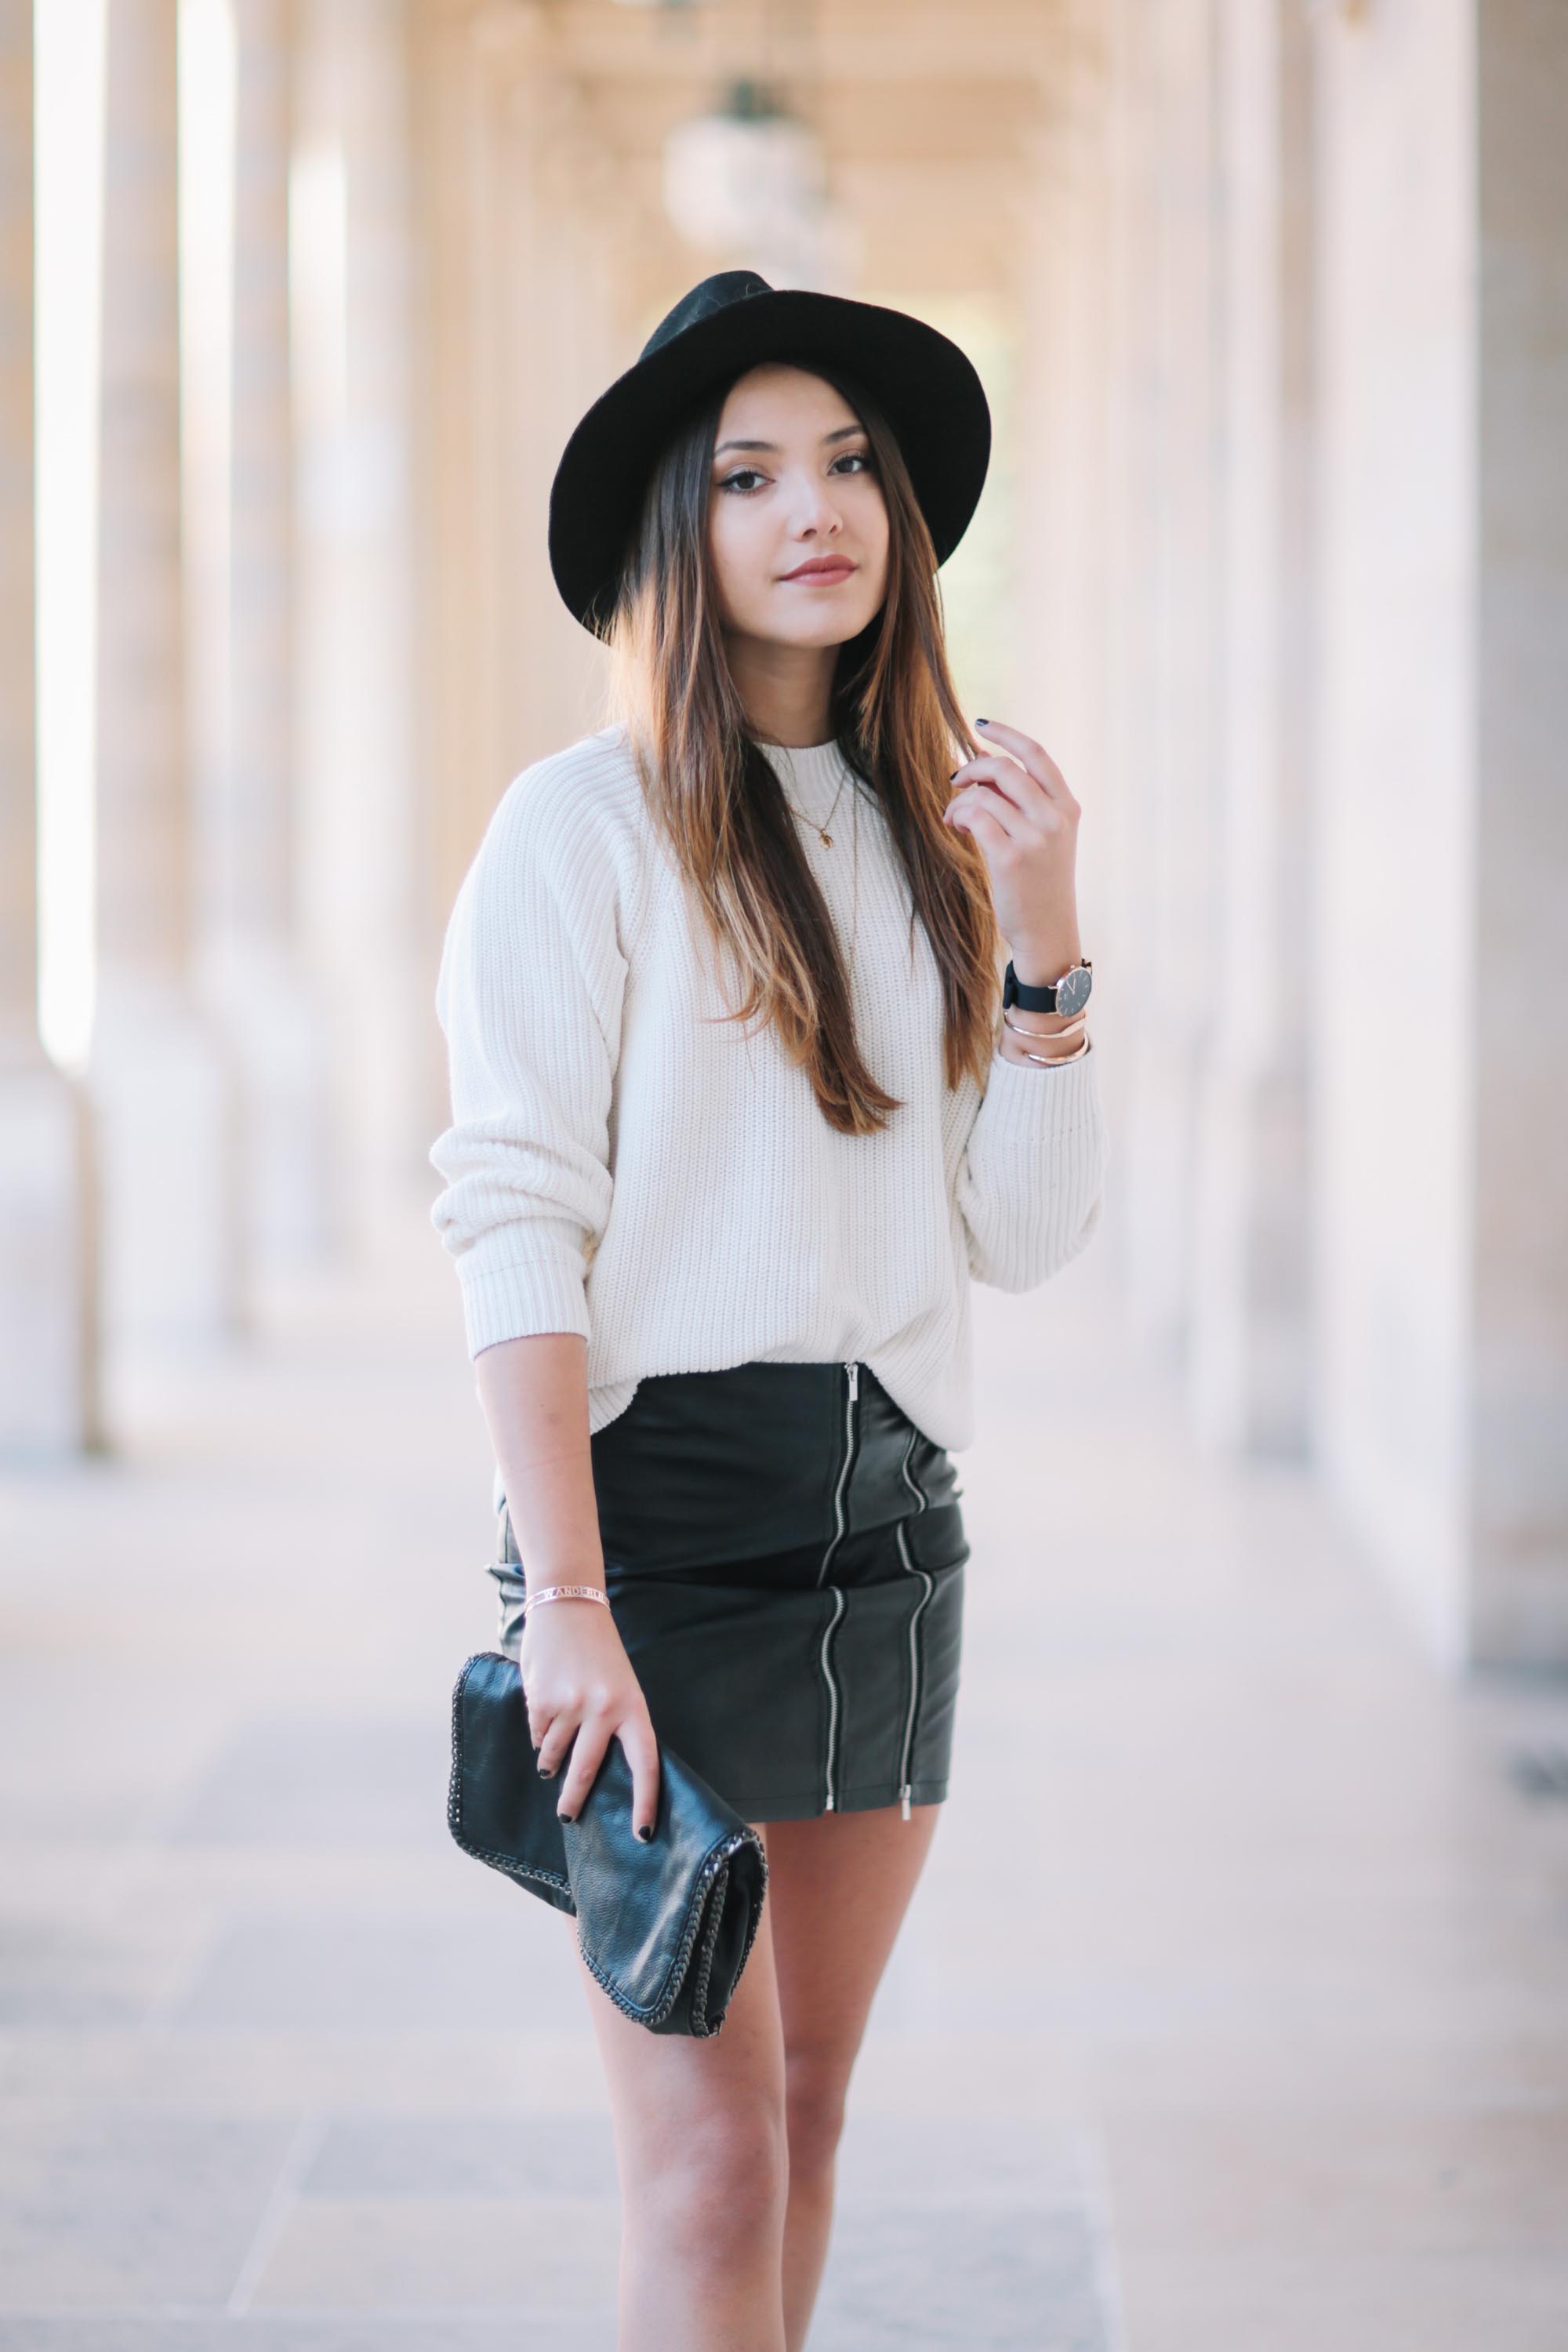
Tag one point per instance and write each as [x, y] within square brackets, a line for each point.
[1055, 1061]
[1050, 1061]
[1064, 1031]
[565, 1592]
[1047, 1061]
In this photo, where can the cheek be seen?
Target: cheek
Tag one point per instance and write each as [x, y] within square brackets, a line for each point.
[872, 523]
[733, 551]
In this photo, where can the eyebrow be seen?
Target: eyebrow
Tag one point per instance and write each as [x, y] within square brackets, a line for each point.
[842, 434]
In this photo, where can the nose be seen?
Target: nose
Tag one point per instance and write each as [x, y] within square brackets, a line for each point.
[814, 509]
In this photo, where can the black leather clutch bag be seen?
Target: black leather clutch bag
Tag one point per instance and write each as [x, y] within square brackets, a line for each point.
[666, 1926]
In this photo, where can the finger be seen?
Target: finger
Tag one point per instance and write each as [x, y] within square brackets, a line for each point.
[1031, 756]
[1007, 777]
[558, 1736]
[637, 1738]
[985, 800]
[587, 1755]
[985, 828]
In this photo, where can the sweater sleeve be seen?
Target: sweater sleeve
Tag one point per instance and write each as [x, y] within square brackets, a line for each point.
[528, 996]
[1031, 1181]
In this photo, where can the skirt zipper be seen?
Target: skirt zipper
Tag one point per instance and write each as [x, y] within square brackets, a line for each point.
[852, 1371]
[916, 1614]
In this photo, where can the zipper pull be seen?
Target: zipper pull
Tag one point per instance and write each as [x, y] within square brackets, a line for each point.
[854, 1371]
[904, 1794]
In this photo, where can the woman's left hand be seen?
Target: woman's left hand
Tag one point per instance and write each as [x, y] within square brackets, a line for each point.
[1020, 811]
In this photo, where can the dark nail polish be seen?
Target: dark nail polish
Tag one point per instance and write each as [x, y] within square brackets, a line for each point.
[565, 1817]
[646, 1832]
[547, 1771]
[983, 722]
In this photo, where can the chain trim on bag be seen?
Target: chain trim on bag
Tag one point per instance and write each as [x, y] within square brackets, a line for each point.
[518, 1872]
[654, 2013]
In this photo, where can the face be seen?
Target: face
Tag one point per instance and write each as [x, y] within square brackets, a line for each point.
[793, 487]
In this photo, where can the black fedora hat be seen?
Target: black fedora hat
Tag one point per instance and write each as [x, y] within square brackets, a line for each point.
[927, 388]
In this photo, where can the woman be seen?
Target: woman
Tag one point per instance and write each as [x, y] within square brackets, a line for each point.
[735, 1122]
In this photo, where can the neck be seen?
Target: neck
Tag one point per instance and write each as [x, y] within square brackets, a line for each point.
[787, 690]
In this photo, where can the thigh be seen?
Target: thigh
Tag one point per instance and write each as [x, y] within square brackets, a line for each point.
[668, 2091]
[838, 1887]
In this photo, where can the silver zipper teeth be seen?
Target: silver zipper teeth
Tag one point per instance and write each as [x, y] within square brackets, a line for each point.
[838, 1591]
[915, 1616]
[853, 1391]
[853, 1370]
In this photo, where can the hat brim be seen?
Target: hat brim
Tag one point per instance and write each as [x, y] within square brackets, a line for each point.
[926, 387]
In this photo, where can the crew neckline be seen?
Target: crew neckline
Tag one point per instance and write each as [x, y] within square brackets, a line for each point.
[812, 772]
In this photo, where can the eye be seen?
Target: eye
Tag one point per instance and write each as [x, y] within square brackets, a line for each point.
[741, 474]
[853, 458]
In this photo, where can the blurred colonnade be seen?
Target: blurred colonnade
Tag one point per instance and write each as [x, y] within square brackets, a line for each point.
[1272, 299]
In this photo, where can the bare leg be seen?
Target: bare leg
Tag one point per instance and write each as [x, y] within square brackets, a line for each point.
[703, 2157]
[726, 2146]
[838, 1887]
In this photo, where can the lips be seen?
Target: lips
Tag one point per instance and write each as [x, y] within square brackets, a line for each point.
[825, 569]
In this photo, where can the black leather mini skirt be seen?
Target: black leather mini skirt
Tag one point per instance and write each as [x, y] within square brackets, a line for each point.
[784, 1557]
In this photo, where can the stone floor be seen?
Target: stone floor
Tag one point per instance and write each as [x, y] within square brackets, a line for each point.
[1231, 2016]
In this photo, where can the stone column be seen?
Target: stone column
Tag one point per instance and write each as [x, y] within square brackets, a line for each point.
[1060, 609]
[523, 217]
[47, 1311]
[252, 955]
[1442, 1038]
[469, 253]
[362, 708]
[18, 758]
[1174, 288]
[524, 211]
[163, 1096]
[1517, 1393]
[1161, 651]
[1251, 1357]
[571, 266]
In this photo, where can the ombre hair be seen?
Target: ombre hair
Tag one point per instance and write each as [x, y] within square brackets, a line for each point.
[719, 805]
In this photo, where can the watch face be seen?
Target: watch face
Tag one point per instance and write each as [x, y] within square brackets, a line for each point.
[1072, 991]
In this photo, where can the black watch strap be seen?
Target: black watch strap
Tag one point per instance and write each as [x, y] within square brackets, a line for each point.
[1029, 999]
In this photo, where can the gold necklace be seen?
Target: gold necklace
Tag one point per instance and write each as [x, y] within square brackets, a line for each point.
[822, 833]
[855, 915]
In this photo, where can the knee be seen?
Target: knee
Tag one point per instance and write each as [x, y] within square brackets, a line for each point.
[719, 2184]
[814, 2102]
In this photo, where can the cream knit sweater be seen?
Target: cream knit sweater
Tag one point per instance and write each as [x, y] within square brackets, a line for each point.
[623, 1165]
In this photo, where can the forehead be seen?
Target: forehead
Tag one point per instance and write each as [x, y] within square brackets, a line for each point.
[776, 400]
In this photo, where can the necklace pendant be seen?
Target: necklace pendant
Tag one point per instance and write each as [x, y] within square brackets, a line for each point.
[826, 838]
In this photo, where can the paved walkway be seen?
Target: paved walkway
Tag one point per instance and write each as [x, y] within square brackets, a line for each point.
[1231, 2015]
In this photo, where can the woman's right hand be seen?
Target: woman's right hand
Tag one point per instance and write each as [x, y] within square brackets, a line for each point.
[582, 1691]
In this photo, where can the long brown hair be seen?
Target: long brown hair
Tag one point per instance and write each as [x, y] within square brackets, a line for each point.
[723, 812]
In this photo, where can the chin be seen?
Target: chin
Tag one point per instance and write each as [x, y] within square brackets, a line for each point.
[833, 627]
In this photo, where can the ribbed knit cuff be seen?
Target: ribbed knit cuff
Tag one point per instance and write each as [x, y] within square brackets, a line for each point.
[1033, 1108]
[521, 1299]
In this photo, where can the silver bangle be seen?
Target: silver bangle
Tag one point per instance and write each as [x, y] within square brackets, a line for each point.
[565, 1592]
